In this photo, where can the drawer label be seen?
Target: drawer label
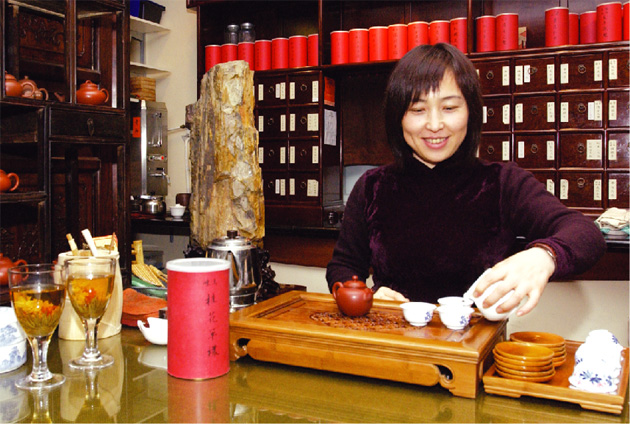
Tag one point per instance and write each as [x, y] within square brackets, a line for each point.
[277, 186]
[315, 94]
[597, 70]
[261, 123]
[261, 92]
[551, 74]
[313, 122]
[283, 187]
[292, 90]
[551, 186]
[505, 71]
[564, 189]
[283, 154]
[597, 190]
[526, 74]
[594, 149]
[564, 111]
[505, 150]
[551, 112]
[551, 150]
[595, 110]
[283, 123]
[312, 188]
[521, 149]
[261, 155]
[518, 113]
[485, 114]
[612, 150]
[292, 122]
[291, 154]
[291, 186]
[518, 75]
[612, 69]
[612, 189]
[506, 114]
[612, 110]
[564, 73]
[315, 153]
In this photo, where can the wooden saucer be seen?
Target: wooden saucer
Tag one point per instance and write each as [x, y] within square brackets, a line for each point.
[529, 379]
[524, 351]
[545, 339]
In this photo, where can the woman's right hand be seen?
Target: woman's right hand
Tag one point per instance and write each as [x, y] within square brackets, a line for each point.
[385, 293]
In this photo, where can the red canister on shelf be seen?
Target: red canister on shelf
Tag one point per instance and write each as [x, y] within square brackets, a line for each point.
[279, 53]
[609, 22]
[339, 47]
[396, 41]
[377, 43]
[213, 55]
[507, 31]
[557, 26]
[417, 34]
[458, 28]
[486, 33]
[358, 45]
[588, 27]
[262, 55]
[297, 51]
[312, 55]
[439, 32]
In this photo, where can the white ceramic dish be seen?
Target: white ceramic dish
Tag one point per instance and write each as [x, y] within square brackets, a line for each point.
[13, 356]
[418, 314]
[10, 330]
[177, 211]
[156, 332]
[154, 357]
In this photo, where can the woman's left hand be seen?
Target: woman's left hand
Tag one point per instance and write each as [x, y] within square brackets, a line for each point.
[526, 272]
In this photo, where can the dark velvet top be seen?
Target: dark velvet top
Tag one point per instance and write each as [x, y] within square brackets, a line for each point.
[428, 233]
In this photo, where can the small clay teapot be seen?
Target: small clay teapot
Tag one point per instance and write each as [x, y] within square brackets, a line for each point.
[30, 90]
[89, 94]
[11, 85]
[353, 297]
[5, 181]
[5, 264]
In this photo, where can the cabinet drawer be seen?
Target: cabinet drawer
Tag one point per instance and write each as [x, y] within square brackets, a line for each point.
[618, 109]
[304, 155]
[618, 150]
[87, 124]
[303, 89]
[270, 91]
[495, 147]
[494, 76]
[581, 189]
[534, 74]
[548, 179]
[304, 187]
[272, 123]
[535, 151]
[579, 71]
[535, 112]
[272, 155]
[496, 114]
[618, 69]
[304, 121]
[618, 189]
[582, 110]
[275, 186]
[581, 150]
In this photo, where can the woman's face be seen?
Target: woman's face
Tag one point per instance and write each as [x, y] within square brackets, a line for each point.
[436, 125]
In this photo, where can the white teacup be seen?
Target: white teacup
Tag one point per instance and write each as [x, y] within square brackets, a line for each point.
[491, 313]
[455, 317]
[418, 314]
[455, 300]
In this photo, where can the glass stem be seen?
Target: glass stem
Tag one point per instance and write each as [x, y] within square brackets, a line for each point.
[91, 339]
[39, 347]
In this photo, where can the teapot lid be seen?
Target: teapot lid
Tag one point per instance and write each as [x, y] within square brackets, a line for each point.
[230, 241]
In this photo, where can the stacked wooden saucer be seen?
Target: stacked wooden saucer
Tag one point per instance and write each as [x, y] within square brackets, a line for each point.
[552, 341]
[524, 361]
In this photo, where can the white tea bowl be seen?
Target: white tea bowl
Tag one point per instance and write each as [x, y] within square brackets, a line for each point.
[455, 317]
[490, 313]
[177, 211]
[418, 314]
[455, 300]
[10, 330]
[156, 332]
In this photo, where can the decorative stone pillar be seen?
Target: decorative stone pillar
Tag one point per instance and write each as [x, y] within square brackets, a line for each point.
[227, 191]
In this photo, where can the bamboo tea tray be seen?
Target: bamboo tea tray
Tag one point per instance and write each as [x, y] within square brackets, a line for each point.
[307, 330]
[558, 387]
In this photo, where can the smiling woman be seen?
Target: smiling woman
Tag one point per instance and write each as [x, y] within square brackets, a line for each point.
[429, 224]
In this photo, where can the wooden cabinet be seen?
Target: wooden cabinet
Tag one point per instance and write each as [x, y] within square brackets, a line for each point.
[71, 157]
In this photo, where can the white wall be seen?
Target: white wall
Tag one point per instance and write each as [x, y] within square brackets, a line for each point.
[570, 309]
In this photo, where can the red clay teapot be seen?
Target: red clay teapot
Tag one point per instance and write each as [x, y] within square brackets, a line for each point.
[5, 264]
[89, 94]
[11, 85]
[30, 90]
[5, 181]
[353, 297]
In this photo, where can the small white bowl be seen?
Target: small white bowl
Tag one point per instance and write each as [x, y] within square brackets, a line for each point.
[13, 356]
[418, 314]
[491, 313]
[10, 330]
[177, 211]
[156, 332]
[455, 317]
[455, 300]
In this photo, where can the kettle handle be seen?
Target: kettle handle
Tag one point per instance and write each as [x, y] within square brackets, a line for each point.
[20, 262]
[336, 287]
[104, 90]
[17, 180]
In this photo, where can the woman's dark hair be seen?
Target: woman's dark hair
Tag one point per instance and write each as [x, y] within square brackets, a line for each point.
[420, 72]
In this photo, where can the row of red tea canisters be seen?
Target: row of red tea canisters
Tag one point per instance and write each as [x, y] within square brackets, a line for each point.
[279, 53]
[608, 23]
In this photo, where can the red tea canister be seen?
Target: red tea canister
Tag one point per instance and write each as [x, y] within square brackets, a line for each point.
[439, 32]
[626, 21]
[574, 28]
[213, 55]
[507, 31]
[229, 52]
[339, 47]
[245, 51]
[417, 34]
[298, 51]
[486, 33]
[557, 26]
[312, 55]
[458, 28]
[377, 43]
[279, 53]
[588, 27]
[396, 41]
[609, 22]
[358, 45]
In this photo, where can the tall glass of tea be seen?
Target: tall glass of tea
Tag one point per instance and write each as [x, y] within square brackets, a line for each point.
[38, 295]
[90, 282]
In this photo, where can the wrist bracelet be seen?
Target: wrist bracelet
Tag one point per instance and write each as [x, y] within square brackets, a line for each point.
[549, 251]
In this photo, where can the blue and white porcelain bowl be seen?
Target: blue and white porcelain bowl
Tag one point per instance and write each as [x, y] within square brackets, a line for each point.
[13, 356]
[455, 317]
[13, 350]
[418, 314]
[14, 405]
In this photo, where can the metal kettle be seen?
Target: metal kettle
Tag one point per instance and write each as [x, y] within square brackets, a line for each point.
[245, 276]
